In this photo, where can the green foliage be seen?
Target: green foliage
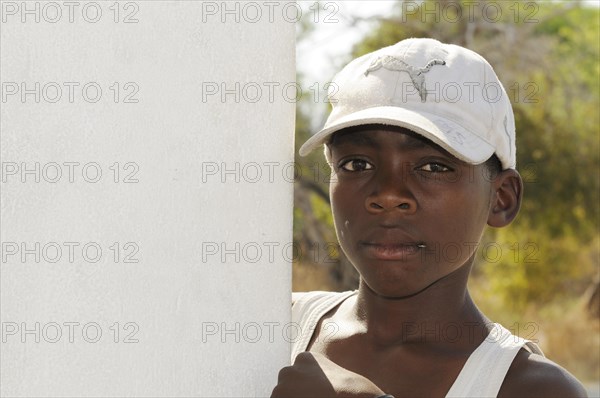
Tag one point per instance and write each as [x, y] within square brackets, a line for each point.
[547, 57]
[525, 265]
[558, 135]
[313, 222]
[534, 272]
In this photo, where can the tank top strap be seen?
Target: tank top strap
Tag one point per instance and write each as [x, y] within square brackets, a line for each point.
[307, 309]
[485, 370]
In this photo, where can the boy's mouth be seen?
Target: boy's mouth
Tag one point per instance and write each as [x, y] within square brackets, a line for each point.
[392, 251]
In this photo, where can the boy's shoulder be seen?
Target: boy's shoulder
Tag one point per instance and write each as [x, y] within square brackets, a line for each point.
[533, 375]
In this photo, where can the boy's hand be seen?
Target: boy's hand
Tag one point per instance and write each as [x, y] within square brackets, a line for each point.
[313, 375]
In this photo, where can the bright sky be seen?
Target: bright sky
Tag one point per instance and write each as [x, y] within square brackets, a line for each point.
[320, 55]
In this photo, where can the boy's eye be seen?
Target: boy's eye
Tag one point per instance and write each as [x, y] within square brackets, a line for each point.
[434, 168]
[356, 165]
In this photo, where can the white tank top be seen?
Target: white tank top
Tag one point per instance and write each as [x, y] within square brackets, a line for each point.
[481, 376]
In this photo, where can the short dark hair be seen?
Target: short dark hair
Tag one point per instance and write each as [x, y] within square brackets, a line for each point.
[493, 165]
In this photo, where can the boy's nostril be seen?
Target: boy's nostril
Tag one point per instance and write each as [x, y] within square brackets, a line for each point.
[403, 205]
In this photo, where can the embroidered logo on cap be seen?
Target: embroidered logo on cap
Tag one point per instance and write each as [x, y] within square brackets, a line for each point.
[416, 74]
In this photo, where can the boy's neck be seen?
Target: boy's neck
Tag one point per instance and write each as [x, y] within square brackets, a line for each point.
[442, 313]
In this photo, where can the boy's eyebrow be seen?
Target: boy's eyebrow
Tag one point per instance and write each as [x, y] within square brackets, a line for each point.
[413, 142]
[416, 144]
[357, 139]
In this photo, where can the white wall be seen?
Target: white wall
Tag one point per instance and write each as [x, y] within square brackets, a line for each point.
[212, 253]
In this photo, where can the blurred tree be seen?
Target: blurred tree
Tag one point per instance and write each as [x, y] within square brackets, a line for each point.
[315, 241]
[547, 58]
[546, 55]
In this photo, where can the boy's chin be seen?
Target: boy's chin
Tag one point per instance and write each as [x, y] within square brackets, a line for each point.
[394, 290]
[409, 285]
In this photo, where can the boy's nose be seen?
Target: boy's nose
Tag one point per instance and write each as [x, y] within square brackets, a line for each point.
[391, 194]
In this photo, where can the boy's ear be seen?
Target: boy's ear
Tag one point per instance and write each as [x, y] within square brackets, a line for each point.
[506, 198]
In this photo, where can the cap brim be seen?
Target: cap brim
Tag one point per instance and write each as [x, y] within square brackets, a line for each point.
[448, 134]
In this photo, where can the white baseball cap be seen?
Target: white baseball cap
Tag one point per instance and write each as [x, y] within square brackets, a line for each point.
[446, 93]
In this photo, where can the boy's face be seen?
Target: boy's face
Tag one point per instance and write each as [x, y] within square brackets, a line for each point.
[407, 213]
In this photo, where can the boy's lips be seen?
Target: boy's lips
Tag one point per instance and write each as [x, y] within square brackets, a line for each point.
[390, 241]
[392, 251]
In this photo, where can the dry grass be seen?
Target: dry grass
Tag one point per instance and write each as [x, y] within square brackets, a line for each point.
[572, 339]
[565, 331]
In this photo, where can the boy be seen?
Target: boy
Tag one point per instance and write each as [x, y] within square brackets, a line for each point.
[421, 142]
